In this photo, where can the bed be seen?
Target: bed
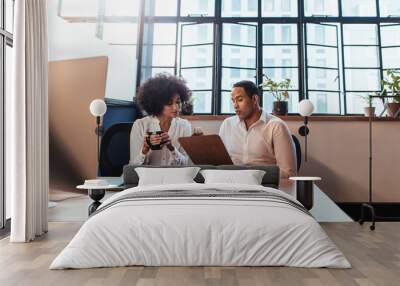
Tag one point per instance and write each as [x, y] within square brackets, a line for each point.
[197, 224]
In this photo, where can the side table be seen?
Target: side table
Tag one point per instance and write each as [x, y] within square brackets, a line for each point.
[304, 190]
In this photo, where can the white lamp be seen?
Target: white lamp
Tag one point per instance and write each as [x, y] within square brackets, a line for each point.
[306, 108]
[98, 108]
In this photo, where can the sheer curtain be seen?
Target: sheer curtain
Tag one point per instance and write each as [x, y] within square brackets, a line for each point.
[27, 122]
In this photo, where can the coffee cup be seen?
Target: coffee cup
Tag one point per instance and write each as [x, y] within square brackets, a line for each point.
[153, 146]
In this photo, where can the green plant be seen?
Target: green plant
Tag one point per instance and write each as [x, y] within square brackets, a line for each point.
[279, 89]
[391, 86]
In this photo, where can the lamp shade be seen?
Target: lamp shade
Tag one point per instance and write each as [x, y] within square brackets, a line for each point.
[98, 107]
[306, 107]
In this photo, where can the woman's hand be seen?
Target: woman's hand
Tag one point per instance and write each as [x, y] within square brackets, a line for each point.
[165, 140]
[146, 147]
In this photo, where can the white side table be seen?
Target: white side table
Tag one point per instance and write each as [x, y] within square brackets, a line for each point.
[96, 193]
[304, 190]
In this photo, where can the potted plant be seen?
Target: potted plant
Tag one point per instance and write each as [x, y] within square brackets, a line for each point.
[391, 87]
[187, 106]
[279, 90]
[369, 110]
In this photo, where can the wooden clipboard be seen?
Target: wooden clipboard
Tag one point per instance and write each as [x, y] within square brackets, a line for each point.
[206, 150]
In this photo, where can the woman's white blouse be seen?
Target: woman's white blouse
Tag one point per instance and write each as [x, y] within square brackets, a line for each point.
[179, 128]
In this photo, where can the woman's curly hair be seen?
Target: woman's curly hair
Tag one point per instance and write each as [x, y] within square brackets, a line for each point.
[158, 91]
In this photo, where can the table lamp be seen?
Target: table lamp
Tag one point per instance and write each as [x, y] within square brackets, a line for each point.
[306, 108]
[98, 108]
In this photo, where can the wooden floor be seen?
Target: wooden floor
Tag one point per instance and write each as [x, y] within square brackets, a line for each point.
[375, 257]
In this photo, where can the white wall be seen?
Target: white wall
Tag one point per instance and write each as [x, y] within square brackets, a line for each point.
[78, 40]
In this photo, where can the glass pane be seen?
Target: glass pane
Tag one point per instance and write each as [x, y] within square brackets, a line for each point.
[279, 8]
[194, 34]
[202, 101]
[163, 56]
[9, 15]
[279, 34]
[322, 57]
[120, 7]
[323, 79]
[161, 7]
[325, 102]
[389, 8]
[293, 101]
[280, 56]
[391, 58]
[362, 79]
[197, 7]
[239, 34]
[359, 8]
[361, 57]
[226, 103]
[239, 8]
[360, 34]
[164, 34]
[240, 57]
[279, 74]
[197, 56]
[199, 78]
[356, 101]
[318, 34]
[390, 35]
[232, 76]
[321, 7]
[155, 71]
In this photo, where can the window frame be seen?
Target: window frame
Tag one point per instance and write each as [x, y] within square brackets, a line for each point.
[301, 21]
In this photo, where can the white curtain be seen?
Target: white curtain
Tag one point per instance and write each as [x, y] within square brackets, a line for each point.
[27, 121]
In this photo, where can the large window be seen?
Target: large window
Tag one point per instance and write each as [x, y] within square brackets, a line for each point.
[6, 43]
[333, 51]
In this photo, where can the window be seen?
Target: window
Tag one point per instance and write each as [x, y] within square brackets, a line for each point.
[237, 66]
[197, 8]
[321, 8]
[322, 71]
[361, 63]
[279, 8]
[343, 52]
[6, 43]
[359, 8]
[280, 60]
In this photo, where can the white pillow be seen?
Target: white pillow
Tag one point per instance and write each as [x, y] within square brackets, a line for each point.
[165, 176]
[248, 177]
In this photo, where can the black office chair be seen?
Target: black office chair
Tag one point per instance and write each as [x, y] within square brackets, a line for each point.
[114, 149]
[298, 151]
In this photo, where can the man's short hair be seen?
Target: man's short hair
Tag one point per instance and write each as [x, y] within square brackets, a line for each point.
[249, 87]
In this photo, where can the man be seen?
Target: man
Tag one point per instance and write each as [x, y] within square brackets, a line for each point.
[254, 137]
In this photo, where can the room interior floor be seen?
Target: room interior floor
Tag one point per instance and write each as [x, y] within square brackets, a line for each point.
[375, 258]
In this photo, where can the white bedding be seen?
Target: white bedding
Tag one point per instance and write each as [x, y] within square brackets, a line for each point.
[200, 231]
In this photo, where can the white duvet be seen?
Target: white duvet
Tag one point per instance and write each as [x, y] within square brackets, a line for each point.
[193, 231]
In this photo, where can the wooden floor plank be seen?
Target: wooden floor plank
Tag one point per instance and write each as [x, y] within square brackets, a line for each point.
[375, 257]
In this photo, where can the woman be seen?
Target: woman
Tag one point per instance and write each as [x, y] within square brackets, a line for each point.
[161, 97]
